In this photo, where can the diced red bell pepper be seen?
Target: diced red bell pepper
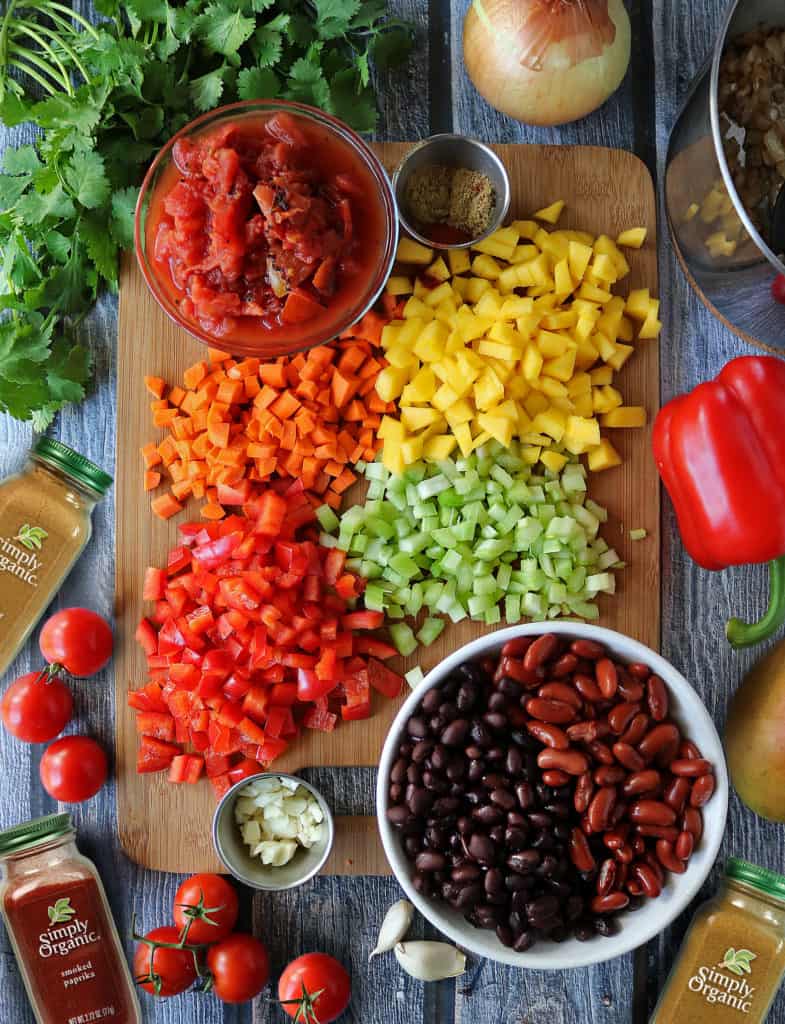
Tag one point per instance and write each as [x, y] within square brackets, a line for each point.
[376, 648]
[327, 665]
[283, 694]
[383, 679]
[272, 514]
[154, 584]
[215, 553]
[186, 768]
[362, 620]
[216, 764]
[318, 718]
[271, 748]
[310, 687]
[255, 703]
[146, 637]
[333, 565]
[250, 731]
[157, 724]
[155, 755]
[244, 769]
[221, 784]
[280, 722]
[179, 558]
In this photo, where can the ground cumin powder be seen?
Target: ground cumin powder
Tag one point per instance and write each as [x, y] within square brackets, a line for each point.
[45, 523]
[455, 196]
[732, 959]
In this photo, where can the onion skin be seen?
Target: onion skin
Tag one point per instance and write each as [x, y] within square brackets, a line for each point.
[559, 92]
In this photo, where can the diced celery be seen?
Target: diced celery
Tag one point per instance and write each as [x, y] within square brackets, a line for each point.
[414, 677]
[430, 630]
[403, 637]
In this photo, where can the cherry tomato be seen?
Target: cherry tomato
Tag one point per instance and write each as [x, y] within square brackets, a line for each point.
[211, 906]
[160, 971]
[37, 707]
[311, 974]
[778, 288]
[73, 769]
[240, 968]
[77, 639]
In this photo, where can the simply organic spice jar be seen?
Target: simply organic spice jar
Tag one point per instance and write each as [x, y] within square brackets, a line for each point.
[61, 928]
[45, 523]
[732, 959]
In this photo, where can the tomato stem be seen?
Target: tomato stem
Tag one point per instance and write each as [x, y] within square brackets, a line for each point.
[306, 1006]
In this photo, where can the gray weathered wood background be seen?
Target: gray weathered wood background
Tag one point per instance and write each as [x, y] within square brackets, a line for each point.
[671, 40]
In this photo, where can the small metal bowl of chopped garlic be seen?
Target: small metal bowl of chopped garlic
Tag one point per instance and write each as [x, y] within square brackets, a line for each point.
[451, 191]
[273, 831]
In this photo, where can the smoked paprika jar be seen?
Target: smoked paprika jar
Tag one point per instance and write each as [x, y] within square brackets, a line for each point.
[732, 959]
[61, 929]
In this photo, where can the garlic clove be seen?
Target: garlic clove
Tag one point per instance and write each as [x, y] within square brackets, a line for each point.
[394, 926]
[430, 961]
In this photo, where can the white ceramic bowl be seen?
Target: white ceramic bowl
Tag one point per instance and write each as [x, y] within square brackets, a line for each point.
[635, 927]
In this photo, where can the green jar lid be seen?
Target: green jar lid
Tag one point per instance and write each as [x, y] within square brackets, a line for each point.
[31, 833]
[761, 878]
[75, 465]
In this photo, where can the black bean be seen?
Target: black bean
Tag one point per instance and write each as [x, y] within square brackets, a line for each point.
[524, 861]
[398, 815]
[422, 883]
[470, 895]
[398, 770]
[583, 931]
[448, 711]
[539, 910]
[497, 834]
[474, 753]
[472, 671]
[562, 889]
[516, 838]
[466, 873]
[606, 926]
[446, 805]
[503, 798]
[488, 815]
[495, 754]
[464, 825]
[430, 860]
[436, 838]
[497, 702]
[412, 845]
[562, 831]
[481, 734]
[440, 758]
[515, 883]
[396, 792]
[405, 749]
[495, 780]
[431, 700]
[487, 916]
[417, 727]
[481, 848]
[467, 696]
[422, 750]
[495, 720]
[476, 771]
[455, 732]
[514, 761]
[515, 819]
[505, 935]
[456, 768]
[524, 941]
[509, 687]
[525, 795]
[494, 881]
[435, 783]
[573, 908]
[557, 809]
[419, 801]
[548, 866]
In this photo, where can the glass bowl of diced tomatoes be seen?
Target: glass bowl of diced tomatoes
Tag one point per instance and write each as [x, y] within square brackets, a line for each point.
[266, 227]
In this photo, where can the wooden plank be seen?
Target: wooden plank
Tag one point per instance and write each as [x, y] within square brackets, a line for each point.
[607, 191]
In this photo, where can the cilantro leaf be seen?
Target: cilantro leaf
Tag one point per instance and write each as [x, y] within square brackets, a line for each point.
[101, 247]
[23, 343]
[391, 48]
[66, 112]
[357, 107]
[68, 371]
[34, 207]
[257, 84]
[123, 211]
[20, 400]
[22, 160]
[224, 30]
[12, 188]
[58, 245]
[333, 17]
[149, 10]
[307, 84]
[87, 177]
[267, 45]
[70, 288]
[206, 91]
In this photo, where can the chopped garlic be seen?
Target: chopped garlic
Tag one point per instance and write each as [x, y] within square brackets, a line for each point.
[638, 534]
[276, 816]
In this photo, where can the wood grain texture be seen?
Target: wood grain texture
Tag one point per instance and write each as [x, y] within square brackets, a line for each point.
[607, 191]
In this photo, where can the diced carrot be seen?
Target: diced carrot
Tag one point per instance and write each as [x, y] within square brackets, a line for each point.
[151, 479]
[176, 396]
[217, 355]
[273, 374]
[344, 480]
[218, 433]
[155, 385]
[165, 506]
[182, 489]
[195, 374]
[285, 405]
[158, 403]
[230, 391]
[151, 456]
[212, 510]
[163, 417]
[252, 387]
[333, 499]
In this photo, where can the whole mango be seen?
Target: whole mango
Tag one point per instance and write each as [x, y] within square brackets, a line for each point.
[755, 736]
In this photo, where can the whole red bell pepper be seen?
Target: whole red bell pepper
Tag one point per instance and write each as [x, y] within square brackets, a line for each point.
[720, 451]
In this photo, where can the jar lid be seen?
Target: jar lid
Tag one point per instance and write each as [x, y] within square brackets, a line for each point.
[75, 465]
[761, 878]
[31, 833]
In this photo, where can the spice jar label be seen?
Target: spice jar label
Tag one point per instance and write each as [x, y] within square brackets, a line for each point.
[724, 979]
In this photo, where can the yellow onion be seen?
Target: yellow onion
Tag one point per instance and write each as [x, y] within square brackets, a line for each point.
[546, 62]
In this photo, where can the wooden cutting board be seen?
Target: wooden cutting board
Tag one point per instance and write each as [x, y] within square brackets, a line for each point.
[166, 827]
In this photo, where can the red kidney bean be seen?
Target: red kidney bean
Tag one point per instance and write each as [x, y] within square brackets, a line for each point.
[630, 689]
[580, 854]
[684, 845]
[609, 775]
[555, 712]
[657, 698]
[675, 794]
[651, 812]
[600, 752]
[561, 692]
[688, 750]
[587, 649]
[624, 854]
[636, 730]
[621, 716]
[564, 666]
[634, 887]
[550, 735]
[606, 877]
[586, 825]
[587, 732]
[650, 858]
[600, 808]
[609, 904]
[587, 687]
[639, 670]
[517, 647]
[628, 756]
[667, 857]
[618, 813]
[571, 761]
[692, 821]
[664, 736]
[669, 832]
[690, 767]
[513, 668]
[639, 782]
[638, 844]
[616, 837]
[648, 881]
[540, 651]
[702, 789]
[607, 678]
[555, 778]
[584, 788]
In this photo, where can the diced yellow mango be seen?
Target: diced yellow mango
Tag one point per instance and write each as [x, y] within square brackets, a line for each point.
[515, 307]
[438, 294]
[414, 418]
[632, 238]
[582, 405]
[507, 281]
[532, 362]
[592, 292]
[626, 330]
[459, 261]
[531, 454]
[637, 305]
[398, 286]
[430, 343]
[561, 367]
[579, 384]
[400, 356]
[605, 346]
[489, 305]
[476, 289]
[486, 266]
[499, 427]
[552, 344]
[415, 309]
[551, 422]
[412, 449]
[581, 433]
[578, 257]
[497, 350]
[620, 356]
[524, 254]
[444, 398]
[563, 320]
[438, 447]
[391, 429]
[625, 416]
[553, 388]
[526, 228]
[410, 251]
[563, 279]
[584, 328]
[493, 245]
[421, 388]
[651, 325]
[460, 412]
[390, 383]
[554, 461]
[604, 456]
[463, 435]
[446, 311]
[604, 268]
[550, 214]
[587, 354]
[535, 403]
[601, 375]
[488, 390]
[438, 270]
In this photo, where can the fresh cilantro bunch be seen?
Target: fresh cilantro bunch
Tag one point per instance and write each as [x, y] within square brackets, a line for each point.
[106, 96]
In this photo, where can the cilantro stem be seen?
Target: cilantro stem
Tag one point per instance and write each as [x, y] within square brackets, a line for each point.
[4, 31]
[50, 5]
[17, 48]
[58, 38]
[31, 72]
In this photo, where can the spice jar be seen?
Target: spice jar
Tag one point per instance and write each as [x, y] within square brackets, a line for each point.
[733, 956]
[61, 928]
[45, 523]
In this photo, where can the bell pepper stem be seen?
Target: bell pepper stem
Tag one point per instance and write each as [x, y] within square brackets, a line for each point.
[745, 634]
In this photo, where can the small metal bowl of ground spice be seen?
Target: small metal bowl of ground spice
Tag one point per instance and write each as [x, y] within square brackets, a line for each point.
[451, 191]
